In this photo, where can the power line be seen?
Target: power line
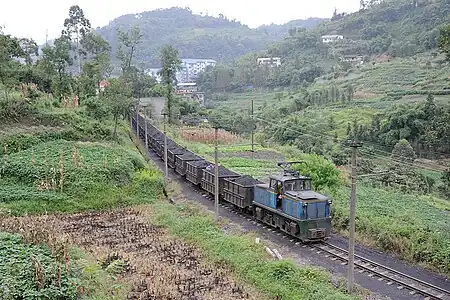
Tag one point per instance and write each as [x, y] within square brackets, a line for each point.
[303, 132]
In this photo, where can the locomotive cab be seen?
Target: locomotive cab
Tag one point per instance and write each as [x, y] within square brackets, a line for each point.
[283, 185]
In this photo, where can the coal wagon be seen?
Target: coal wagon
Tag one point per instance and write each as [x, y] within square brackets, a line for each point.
[239, 191]
[172, 153]
[155, 138]
[182, 160]
[160, 147]
[208, 183]
[194, 170]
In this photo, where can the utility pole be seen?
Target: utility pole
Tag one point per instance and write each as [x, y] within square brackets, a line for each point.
[146, 129]
[253, 131]
[166, 172]
[137, 121]
[351, 241]
[216, 172]
[131, 120]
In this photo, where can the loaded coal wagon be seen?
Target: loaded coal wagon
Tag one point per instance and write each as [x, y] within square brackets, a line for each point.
[208, 183]
[239, 191]
[155, 138]
[194, 170]
[172, 153]
[182, 160]
[160, 147]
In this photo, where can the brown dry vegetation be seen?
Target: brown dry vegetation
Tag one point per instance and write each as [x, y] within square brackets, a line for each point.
[206, 135]
[152, 263]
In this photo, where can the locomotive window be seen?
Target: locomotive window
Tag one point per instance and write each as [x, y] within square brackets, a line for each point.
[307, 185]
[273, 184]
[297, 185]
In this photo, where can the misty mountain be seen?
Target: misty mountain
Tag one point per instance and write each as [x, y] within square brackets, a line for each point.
[194, 35]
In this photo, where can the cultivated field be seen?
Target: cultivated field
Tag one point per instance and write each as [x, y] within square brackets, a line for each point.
[146, 257]
[207, 135]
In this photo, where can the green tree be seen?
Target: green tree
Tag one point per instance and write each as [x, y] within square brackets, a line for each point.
[444, 41]
[98, 66]
[9, 49]
[403, 151]
[30, 49]
[170, 63]
[56, 60]
[350, 92]
[130, 39]
[119, 98]
[76, 26]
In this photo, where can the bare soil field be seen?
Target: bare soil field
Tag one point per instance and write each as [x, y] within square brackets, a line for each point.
[144, 256]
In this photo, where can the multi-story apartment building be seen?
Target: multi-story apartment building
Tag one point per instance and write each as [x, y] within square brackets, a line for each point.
[191, 68]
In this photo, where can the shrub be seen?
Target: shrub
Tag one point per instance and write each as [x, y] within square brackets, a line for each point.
[32, 272]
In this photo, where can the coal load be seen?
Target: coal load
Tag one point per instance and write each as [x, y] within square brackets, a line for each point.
[223, 172]
[159, 136]
[189, 156]
[200, 163]
[247, 180]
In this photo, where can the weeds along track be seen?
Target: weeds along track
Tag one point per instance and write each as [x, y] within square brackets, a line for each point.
[375, 270]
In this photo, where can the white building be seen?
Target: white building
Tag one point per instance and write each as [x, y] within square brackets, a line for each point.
[191, 68]
[331, 38]
[271, 61]
[154, 74]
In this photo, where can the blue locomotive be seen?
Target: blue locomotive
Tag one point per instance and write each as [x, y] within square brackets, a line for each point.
[287, 202]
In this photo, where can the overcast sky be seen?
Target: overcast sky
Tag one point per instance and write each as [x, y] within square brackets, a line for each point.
[31, 18]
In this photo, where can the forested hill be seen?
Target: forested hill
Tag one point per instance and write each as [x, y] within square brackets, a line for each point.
[384, 29]
[195, 36]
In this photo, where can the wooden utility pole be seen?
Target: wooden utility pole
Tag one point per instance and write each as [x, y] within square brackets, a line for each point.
[351, 241]
[137, 121]
[253, 131]
[146, 129]
[131, 121]
[166, 170]
[216, 172]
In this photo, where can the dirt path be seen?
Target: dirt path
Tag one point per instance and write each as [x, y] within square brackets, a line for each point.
[156, 265]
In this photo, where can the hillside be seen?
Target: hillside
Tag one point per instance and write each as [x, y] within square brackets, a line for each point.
[380, 33]
[195, 36]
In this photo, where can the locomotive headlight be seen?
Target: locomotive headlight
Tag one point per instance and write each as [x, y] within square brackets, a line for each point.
[305, 204]
[330, 202]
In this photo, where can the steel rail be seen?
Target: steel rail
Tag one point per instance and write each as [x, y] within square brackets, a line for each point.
[386, 272]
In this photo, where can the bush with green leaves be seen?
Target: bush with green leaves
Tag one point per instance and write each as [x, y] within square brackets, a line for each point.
[32, 272]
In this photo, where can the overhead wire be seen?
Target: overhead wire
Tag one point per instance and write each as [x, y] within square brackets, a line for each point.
[387, 158]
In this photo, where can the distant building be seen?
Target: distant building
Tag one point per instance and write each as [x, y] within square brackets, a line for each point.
[352, 58]
[154, 74]
[191, 68]
[186, 88]
[331, 38]
[271, 61]
[189, 90]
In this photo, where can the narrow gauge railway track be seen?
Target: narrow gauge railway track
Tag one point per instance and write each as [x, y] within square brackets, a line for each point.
[362, 264]
[374, 269]
[416, 286]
